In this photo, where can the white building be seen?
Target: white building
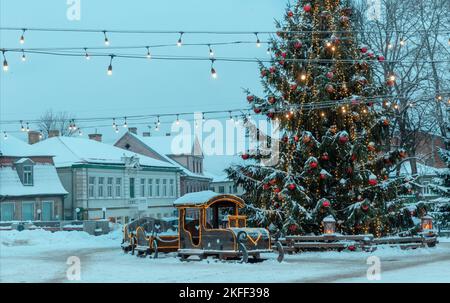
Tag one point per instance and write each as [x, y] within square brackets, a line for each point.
[104, 181]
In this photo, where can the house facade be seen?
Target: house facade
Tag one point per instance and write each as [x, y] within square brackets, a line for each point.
[105, 182]
[189, 159]
[30, 189]
[222, 185]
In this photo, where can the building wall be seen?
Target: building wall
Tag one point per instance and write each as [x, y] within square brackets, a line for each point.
[226, 187]
[37, 202]
[122, 206]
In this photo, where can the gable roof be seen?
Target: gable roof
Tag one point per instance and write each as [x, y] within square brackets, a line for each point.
[45, 182]
[69, 151]
[13, 147]
[161, 144]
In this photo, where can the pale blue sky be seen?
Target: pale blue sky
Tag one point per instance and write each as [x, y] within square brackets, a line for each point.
[137, 86]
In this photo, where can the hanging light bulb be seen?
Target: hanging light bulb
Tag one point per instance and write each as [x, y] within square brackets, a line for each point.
[402, 42]
[80, 133]
[125, 124]
[392, 77]
[158, 122]
[268, 51]
[110, 70]
[117, 129]
[211, 52]
[22, 38]
[5, 63]
[258, 42]
[203, 117]
[24, 58]
[213, 71]
[157, 127]
[106, 39]
[149, 56]
[86, 55]
[21, 126]
[114, 123]
[178, 120]
[231, 117]
[180, 42]
[5, 135]
[28, 127]
[40, 135]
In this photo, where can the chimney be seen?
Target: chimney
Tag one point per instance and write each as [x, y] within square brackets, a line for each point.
[53, 133]
[132, 130]
[146, 134]
[96, 137]
[167, 134]
[33, 137]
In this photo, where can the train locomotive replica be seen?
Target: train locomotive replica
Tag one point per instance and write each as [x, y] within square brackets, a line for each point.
[208, 225]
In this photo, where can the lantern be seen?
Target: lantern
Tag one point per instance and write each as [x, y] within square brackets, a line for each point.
[427, 223]
[329, 225]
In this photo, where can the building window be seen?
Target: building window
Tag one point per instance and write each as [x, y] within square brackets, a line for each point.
[28, 175]
[235, 189]
[131, 187]
[172, 187]
[164, 187]
[109, 190]
[157, 187]
[221, 189]
[27, 211]
[91, 189]
[142, 187]
[150, 187]
[230, 189]
[118, 187]
[7, 211]
[101, 183]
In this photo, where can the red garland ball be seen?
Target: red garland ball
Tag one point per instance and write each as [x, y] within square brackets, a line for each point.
[326, 203]
[245, 156]
[296, 138]
[257, 110]
[373, 182]
[343, 139]
[330, 75]
[323, 176]
[293, 228]
[283, 55]
[364, 49]
[272, 69]
[270, 115]
[277, 190]
[271, 100]
[250, 99]
[390, 83]
[307, 8]
[365, 207]
[325, 157]
[298, 45]
[381, 58]
[291, 186]
[352, 248]
[353, 158]
[285, 139]
[282, 62]
[266, 186]
[290, 14]
[313, 164]
[273, 181]
[330, 88]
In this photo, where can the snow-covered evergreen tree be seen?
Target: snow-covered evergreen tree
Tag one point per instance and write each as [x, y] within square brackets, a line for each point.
[441, 185]
[334, 154]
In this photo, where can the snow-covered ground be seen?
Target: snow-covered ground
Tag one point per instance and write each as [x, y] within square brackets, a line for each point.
[40, 256]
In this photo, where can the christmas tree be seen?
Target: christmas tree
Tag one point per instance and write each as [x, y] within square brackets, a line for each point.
[441, 185]
[334, 154]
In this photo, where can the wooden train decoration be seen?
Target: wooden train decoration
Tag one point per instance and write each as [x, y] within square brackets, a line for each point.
[208, 224]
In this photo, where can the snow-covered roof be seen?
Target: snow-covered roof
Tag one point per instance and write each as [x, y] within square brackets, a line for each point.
[45, 182]
[69, 151]
[172, 145]
[13, 147]
[196, 198]
[422, 170]
[161, 145]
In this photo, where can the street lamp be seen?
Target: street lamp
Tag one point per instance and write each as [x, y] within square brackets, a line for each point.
[427, 223]
[329, 225]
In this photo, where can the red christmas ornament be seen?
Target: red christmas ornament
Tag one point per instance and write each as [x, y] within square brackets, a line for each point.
[277, 190]
[257, 110]
[250, 99]
[371, 55]
[323, 176]
[283, 55]
[272, 69]
[293, 228]
[364, 207]
[307, 8]
[325, 157]
[266, 186]
[386, 122]
[343, 139]
[270, 115]
[364, 49]
[330, 75]
[290, 14]
[245, 156]
[381, 58]
[352, 248]
[282, 62]
[326, 203]
[353, 158]
[296, 138]
[291, 186]
[273, 181]
[373, 182]
[285, 139]
[271, 100]
[263, 73]
[298, 45]
[313, 164]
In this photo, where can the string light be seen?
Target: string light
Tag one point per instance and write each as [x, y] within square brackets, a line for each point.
[40, 135]
[268, 51]
[303, 77]
[178, 120]
[5, 62]
[24, 58]
[22, 38]
[125, 124]
[402, 42]
[114, 123]
[203, 117]
[80, 133]
[158, 122]
[180, 41]
[211, 52]
[390, 46]
[231, 117]
[117, 130]
[5, 135]
[258, 42]
[110, 69]
[149, 56]
[86, 55]
[28, 127]
[392, 77]
[213, 71]
[106, 39]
